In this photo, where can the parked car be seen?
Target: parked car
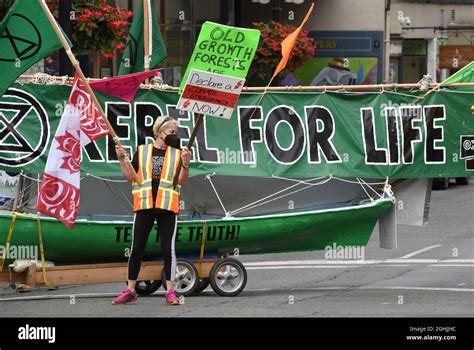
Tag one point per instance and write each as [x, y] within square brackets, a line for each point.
[443, 182]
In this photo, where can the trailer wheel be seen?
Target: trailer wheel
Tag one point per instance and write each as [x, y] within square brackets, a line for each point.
[441, 183]
[228, 277]
[186, 279]
[462, 181]
[147, 287]
[203, 284]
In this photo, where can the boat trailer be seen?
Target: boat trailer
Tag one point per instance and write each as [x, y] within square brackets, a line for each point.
[227, 276]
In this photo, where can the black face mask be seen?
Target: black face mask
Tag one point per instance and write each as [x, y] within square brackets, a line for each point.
[172, 140]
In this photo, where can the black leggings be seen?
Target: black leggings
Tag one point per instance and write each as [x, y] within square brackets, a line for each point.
[142, 225]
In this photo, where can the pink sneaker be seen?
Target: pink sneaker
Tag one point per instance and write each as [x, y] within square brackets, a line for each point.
[171, 298]
[125, 297]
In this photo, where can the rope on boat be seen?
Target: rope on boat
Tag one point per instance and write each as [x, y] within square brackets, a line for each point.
[104, 179]
[82, 178]
[209, 178]
[124, 196]
[23, 190]
[288, 194]
[355, 182]
[368, 195]
[262, 201]
[378, 194]
[274, 194]
[282, 196]
[388, 189]
[7, 203]
[296, 180]
[268, 199]
[35, 181]
[29, 178]
[368, 184]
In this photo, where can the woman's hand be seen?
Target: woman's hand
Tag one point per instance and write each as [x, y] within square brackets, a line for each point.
[121, 153]
[185, 161]
[186, 157]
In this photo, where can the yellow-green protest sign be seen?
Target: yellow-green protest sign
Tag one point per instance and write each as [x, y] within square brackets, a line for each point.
[224, 50]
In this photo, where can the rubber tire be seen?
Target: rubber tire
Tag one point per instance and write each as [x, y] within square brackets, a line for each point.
[151, 287]
[218, 265]
[203, 284]
[462, 181]
[195, 272]
[441, 183]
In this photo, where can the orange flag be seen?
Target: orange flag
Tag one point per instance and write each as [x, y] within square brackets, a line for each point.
[287, 45]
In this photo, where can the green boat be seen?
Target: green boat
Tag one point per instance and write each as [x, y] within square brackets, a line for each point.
[105, 241]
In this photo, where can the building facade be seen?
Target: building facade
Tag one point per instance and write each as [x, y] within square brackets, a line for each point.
[434, 37]
[358, 41]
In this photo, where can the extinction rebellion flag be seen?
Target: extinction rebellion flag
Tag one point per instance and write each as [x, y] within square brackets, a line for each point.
[81, 123]
[26, 36]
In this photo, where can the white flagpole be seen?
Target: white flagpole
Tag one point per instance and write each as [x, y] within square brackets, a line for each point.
[147, 38]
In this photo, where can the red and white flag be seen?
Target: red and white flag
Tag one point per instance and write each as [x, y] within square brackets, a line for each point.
[81, 123]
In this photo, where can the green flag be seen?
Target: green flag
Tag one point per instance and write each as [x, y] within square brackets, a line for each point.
[465, 75]
[27, 38]
[133, 58]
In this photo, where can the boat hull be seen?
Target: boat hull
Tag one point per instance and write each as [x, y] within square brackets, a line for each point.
[110, 241]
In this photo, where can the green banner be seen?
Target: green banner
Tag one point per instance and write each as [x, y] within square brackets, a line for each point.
[223, 50]
[291, 134]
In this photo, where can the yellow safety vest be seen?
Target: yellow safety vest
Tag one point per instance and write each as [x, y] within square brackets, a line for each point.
[167, 196]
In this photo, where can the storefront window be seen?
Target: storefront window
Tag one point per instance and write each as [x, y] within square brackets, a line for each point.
[181, 22]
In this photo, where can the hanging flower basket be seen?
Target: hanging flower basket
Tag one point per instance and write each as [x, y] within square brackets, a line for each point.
[96, 26]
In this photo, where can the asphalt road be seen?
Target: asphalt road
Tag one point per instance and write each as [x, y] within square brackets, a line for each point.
[430, 274]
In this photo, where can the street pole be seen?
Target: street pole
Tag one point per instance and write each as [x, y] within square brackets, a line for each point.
[65, 8]
[386, 77]
[146, 37]
[276, 10]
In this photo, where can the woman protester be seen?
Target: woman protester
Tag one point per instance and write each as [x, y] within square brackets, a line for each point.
[155, 199]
